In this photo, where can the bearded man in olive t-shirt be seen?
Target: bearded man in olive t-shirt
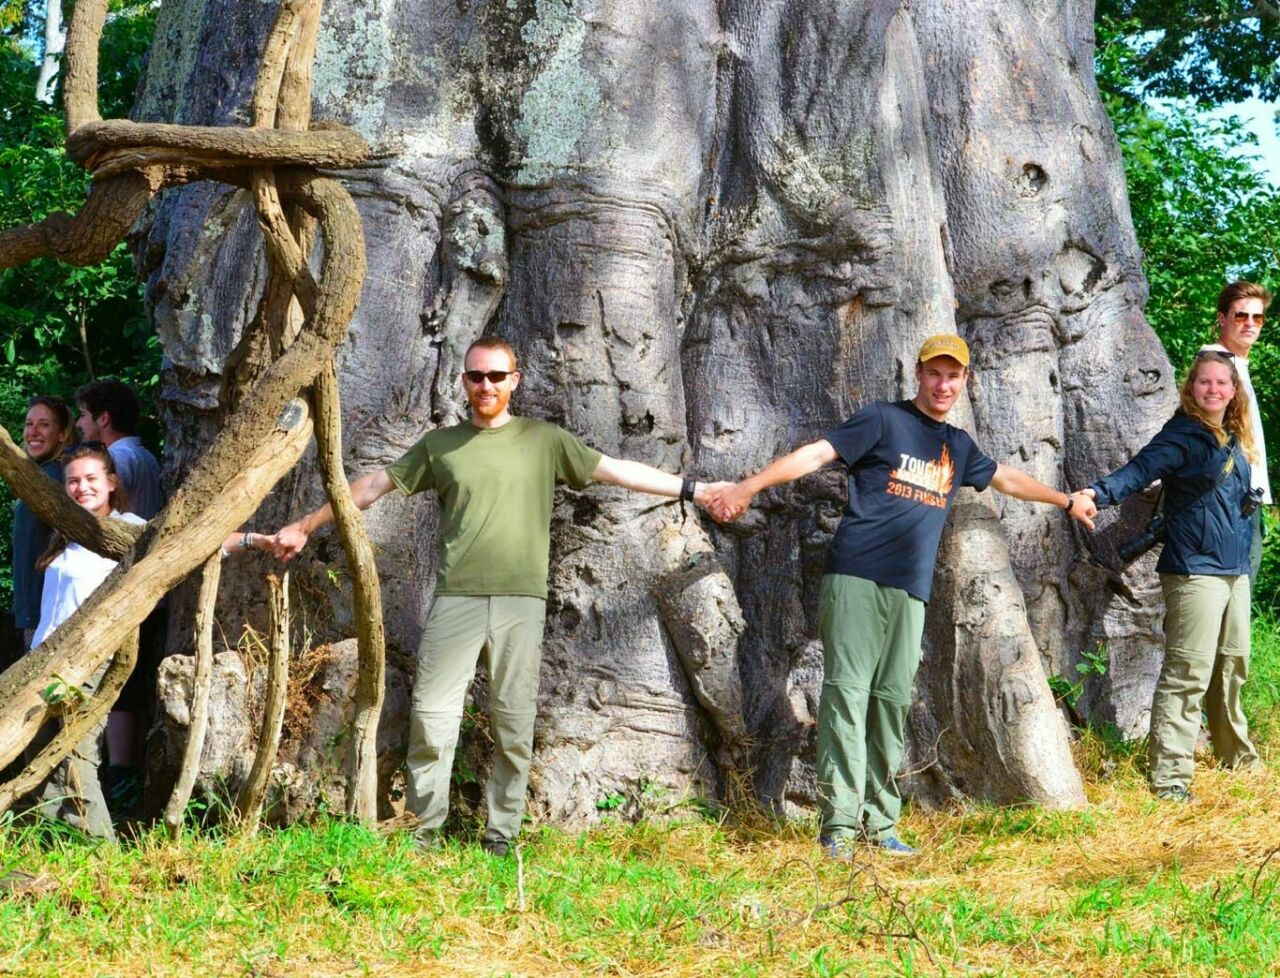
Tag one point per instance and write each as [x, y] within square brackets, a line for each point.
[495, 476]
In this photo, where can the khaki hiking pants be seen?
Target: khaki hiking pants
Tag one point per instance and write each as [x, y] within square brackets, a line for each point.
[871, 647]
[73, 792]
[507, 631]
[1206, 663]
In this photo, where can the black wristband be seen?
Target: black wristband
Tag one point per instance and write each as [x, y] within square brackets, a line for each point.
[687, 488]
[1071, 501]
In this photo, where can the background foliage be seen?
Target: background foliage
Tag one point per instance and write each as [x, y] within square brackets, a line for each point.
[1204, 210]
[46, 307]
[1213, 51]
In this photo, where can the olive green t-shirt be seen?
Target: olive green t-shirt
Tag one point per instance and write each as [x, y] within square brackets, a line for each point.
[496, 489]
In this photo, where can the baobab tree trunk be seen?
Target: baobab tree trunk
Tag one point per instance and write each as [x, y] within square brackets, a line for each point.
[713, 229]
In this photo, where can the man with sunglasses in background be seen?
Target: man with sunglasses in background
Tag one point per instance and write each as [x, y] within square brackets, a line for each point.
[1242, 312]
[495, 476]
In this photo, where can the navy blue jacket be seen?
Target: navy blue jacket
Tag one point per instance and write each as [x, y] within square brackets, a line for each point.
[30, 540]
[1212, 536]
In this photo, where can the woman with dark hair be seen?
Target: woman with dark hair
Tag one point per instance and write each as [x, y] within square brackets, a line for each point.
[73, 792]
[1202, 457]
[47, 432]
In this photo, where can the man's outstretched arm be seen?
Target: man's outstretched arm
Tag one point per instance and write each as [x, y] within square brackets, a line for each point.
[731, 502]
[640, 477]
[1016, 483]
[366, 491]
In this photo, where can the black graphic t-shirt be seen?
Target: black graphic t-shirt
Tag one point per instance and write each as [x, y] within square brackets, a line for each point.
[904, 471]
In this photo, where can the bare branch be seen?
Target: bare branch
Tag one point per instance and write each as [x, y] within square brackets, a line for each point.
[253, 792]
[75, 726]
[200, 683]
[80, 91]
[111, 209]
[51, 505]
[333, 147]
[371, 644]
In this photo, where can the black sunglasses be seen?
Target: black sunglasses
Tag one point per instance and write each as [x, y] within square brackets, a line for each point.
[494, 376]
[1220, 354]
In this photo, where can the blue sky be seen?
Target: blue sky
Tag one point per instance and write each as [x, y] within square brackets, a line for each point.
[1261, 119]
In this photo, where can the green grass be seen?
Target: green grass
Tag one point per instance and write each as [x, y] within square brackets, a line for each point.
[1262, 691]
[1123, 887]
[1127, 886]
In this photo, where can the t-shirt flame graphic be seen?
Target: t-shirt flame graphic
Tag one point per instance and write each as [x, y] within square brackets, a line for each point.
[936, 476]
[904, 470]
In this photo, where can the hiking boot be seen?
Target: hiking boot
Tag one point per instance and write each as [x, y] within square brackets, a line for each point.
[1177, 793]
[496, 847]
[894, 846]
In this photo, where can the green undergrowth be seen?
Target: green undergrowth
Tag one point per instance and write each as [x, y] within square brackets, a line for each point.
[1261, 692]
[1125, 886]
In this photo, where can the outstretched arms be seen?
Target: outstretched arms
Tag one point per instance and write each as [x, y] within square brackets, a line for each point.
[640, 477]
[731, 501]
[366, 491]
[1016, 483]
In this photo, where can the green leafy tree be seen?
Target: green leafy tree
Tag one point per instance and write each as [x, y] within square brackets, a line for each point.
[1213, 51]
[61, 325]
[1203, 210]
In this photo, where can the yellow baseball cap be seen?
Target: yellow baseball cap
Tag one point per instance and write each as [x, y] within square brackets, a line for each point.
[945, 345]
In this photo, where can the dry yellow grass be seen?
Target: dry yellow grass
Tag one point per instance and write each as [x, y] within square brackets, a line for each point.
[1125, 887]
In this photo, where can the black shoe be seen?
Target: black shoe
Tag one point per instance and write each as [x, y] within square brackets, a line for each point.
[122, 788]
[496, 847]
[1177, 793]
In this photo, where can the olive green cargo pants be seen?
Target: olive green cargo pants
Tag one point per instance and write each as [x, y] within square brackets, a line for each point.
[507, 631]
[871, 648]
[1206, 663]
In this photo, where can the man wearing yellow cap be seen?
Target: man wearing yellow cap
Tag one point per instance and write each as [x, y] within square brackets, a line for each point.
[905, 465]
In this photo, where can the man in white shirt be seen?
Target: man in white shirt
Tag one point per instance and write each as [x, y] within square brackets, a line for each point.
[1242, 312]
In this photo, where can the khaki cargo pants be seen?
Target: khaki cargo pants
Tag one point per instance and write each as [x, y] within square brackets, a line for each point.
[1206, 663]
[507, 631]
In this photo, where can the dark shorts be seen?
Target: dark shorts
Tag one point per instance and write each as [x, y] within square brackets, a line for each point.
[139, 693]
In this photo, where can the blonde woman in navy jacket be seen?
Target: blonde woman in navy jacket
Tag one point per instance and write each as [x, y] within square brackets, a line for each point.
[1202, 457]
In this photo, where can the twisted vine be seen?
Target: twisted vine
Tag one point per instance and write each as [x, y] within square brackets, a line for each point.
[301, 321]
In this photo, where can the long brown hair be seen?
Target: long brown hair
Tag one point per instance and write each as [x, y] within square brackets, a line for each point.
[118, 498]
[1235, 420]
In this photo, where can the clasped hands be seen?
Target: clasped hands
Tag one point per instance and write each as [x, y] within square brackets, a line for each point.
[726, 501]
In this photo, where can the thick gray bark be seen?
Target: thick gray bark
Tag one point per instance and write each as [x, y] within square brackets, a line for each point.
[713, 230]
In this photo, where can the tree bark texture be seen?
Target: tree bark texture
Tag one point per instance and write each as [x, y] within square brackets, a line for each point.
[713, 230]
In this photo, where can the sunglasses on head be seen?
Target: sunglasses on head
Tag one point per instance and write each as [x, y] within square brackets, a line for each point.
[1220, 354]
[494, 376]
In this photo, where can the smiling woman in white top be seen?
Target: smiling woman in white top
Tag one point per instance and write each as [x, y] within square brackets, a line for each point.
[73, 792]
